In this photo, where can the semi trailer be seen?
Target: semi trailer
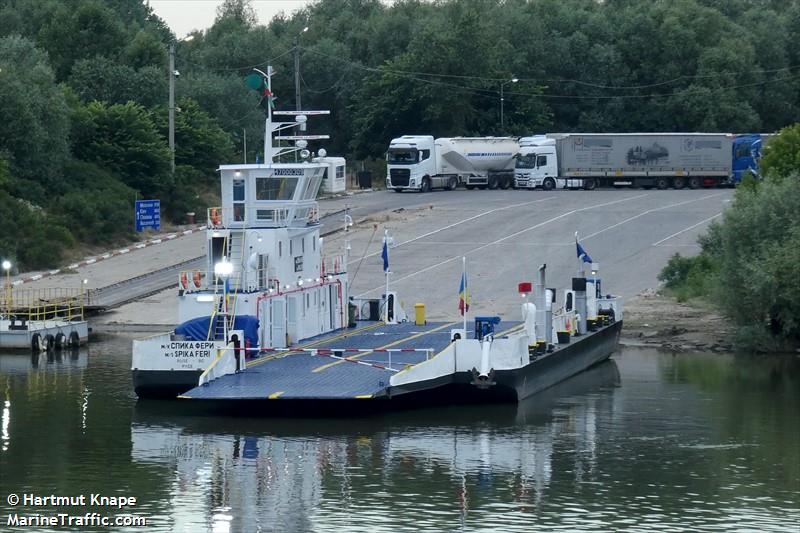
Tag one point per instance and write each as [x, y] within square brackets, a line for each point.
[661, 160]
[422, 163]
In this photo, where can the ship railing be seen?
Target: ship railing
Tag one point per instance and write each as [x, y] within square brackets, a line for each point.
[334, 264]
[56, 303]
[565, 321]
[264, 214]
[253, 280]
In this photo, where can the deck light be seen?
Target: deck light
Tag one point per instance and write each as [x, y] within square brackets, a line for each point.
[223, 269]
[6, 265]
[299, 281]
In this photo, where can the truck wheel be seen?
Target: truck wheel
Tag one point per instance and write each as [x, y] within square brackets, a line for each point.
[492, 182]
[452, 183]
[426, 185]
[549, 184]
[398, 190]
[695, 182]
[506, 182]
[589, 184]
[662, 183]
[679, 182]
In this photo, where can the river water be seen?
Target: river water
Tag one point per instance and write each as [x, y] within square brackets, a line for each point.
[645, 442]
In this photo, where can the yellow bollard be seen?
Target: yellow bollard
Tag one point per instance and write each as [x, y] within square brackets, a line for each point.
[419, 314]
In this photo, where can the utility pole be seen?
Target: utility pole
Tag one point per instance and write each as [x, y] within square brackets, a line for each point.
[172, 105]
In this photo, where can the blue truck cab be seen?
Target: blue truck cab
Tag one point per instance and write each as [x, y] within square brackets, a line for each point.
[746, 154]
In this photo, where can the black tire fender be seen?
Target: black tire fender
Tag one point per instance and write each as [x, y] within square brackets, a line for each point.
[60, 341]
[74, 339]
[36, 343]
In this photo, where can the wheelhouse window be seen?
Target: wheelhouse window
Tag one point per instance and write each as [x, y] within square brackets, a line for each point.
[526, 161]
[403, 156]
[276, 188]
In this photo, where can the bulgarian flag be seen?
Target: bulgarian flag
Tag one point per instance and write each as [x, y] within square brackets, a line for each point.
[269, 96]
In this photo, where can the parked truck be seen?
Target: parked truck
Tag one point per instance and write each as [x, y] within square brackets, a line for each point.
[418, 162]
[661, 160]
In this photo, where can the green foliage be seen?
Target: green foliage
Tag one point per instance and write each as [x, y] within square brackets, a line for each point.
[782, 154]
[92, 29]
[689, 277]
[34, 125]
[31, 238]
[100, 208]
[200, 142]
[124, 139]
[106, 80]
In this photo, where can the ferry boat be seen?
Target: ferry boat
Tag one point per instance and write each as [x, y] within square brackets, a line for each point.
[271, 318]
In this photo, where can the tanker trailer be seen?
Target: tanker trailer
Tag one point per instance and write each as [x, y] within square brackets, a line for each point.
[418, 162]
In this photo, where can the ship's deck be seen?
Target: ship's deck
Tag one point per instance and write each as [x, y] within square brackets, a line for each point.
[349, 364]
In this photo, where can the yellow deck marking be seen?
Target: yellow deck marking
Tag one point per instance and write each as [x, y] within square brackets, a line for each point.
[275, 395]
[266, 358]
[395, 343]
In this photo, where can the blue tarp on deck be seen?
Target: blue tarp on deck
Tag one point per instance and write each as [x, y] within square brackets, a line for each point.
[197, 329]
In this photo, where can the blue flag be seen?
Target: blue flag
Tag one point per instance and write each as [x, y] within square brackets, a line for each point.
[582, 255]
[385, 255]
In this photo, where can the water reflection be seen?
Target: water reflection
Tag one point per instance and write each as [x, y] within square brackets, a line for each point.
[301, 475]
[651, 442]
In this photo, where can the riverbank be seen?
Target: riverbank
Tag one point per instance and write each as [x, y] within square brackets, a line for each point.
[656, 320]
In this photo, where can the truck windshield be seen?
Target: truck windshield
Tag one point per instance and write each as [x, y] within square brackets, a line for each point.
[526, 161]
[402, 156]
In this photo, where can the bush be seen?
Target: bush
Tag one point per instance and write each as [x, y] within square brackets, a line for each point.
[689, 277]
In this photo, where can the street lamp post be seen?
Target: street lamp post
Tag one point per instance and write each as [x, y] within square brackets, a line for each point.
[172, 74]
[503, 84]
[223, 270]
[7, 268]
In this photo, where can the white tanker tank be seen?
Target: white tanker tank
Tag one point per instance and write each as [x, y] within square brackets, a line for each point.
[418, 162]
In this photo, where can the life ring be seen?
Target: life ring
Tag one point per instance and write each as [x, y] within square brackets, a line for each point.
[60, 341]
[197, 278]
[74, 339]
[36, 343]
[184, 280]
[214, 216]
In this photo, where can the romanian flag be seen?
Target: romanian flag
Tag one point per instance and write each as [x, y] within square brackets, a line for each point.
[463, 295]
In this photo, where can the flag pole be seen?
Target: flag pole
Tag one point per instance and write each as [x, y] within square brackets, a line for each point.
[466, 292]
[579, 267]
[386, 294]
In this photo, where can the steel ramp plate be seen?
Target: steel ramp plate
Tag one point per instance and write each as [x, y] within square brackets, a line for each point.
[306, 376]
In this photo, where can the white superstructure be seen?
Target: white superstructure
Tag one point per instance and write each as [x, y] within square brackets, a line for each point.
[265, 270]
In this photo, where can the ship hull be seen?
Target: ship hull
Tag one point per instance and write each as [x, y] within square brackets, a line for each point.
[520, 383]
[164, 383]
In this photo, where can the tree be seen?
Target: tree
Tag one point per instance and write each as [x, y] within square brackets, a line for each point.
[124, 139]
[782, 154]
[239, 10]
[106, 80]
[88, 31]
[35, 123]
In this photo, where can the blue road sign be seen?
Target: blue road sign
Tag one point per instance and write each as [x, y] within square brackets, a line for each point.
[148, 215]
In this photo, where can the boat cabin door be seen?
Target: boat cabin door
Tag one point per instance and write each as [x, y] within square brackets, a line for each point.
[277, 329]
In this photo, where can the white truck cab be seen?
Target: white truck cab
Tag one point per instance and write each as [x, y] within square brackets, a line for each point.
[410, 163]
[536, 163]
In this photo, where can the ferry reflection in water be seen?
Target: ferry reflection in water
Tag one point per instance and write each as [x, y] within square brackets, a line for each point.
[435, 467]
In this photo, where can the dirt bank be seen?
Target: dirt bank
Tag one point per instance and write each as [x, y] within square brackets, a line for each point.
[653, 319]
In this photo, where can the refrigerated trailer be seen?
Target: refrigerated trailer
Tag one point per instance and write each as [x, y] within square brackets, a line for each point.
[418, 162]
[658, 160]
